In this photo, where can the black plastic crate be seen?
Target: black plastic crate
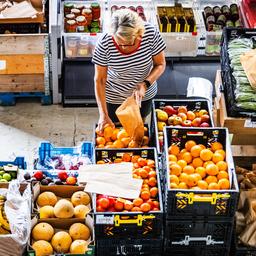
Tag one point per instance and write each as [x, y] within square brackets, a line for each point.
[180, 203]
[122, 225]
[191, 104]
[20, 28]
[198, 232]
[239, 249]
[197, 251]
[132, 247]
[228, 79]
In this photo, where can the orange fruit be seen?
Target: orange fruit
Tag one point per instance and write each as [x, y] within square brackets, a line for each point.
[183, 177]
[110, 146]
[198, 176]
[142, 161]
[100, 141]
[126, 157]
[152, 174]
[195, 151]
[189, 169]
[145, 207]
[100, 162]
[174, 179]
[206, 154]
[212, 169]
[108, 140]
[151, 163]
[192, 180]
[118, 144]
[126, 141]
[109, 143]
[118, 160]
[101, 146]
[173, 185]
[202, 184]
[214, 186]
[202, 146]
[145, 195]
[221, 151]
[136, 209]
[216, 145]
[197, 162]
[182, 163]
[145, 140]
[175, 169]
[201, 171]
[152, 181]
[217, 157]
[137, 201]
[189, 144]
[211, 179]
[108, 131]
[135, 158]
[224, 183]
[128, 205]
[187, 157]
[122, 134]
[222, 175]
[153, 192]
[172, 158]
[196, 188]
[172, 162]
[222, 165]
[143, 173]
[114, 134]
[207, 162]
[182, 185]
[174, 150]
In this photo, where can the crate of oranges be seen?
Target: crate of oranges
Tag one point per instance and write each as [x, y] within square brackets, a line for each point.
[200, 176]
[118, 138]
[137, 218]
[179, 113]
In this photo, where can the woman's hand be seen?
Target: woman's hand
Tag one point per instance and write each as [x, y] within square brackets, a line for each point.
[139, 93]
[103, 120]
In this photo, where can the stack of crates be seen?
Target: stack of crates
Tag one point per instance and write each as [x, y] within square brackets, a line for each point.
[198, 222]
[129, 233]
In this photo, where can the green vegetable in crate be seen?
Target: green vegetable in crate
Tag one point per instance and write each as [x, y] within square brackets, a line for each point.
[8, 172]
[247, 105]
[246, 97]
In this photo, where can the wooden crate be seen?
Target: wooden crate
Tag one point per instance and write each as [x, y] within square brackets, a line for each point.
[242, 135]
[22, 63]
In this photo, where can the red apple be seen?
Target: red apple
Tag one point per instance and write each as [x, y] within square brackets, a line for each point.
[111, 209]
[112, 201]
[119, 206]
[183, 116]
[203, 112]
[204, 124]
[186, 123]
[103, 202]
[100, 209]
[39, 175]
[177, 120]
[182, 109]
[191, 115]
[196, 122]
[205, 118]
[169, 110]
[62, 176]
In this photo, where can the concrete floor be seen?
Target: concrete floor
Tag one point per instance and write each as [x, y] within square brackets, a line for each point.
[25, 125]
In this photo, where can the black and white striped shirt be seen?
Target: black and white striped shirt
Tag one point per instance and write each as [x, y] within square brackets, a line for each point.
[125, 71]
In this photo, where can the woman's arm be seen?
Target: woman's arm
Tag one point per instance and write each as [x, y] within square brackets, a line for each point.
[100, 79]
[158, 69]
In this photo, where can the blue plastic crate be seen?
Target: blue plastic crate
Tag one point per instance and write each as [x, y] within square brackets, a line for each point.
[19, 161]
[46, 149]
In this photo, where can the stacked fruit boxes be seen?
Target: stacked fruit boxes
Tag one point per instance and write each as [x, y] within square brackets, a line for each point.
[200, 191]
[130, 227]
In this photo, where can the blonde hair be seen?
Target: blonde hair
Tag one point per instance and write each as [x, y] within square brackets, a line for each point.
[127, 24]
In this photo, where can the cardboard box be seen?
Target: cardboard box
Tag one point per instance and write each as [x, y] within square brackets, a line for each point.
[61, 191]
[64, 225]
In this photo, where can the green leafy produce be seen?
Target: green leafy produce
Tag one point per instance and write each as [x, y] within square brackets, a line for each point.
[247, 105]
[246, 97]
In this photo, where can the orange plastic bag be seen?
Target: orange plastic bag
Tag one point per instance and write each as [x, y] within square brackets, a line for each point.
[130, 118]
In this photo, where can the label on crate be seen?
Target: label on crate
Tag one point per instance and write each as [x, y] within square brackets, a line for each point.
[249, 123]
[2, 64]
[101, 219]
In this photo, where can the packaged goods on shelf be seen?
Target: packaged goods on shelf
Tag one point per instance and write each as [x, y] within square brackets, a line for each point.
[216, 16]
[203, 178]
[179, 25]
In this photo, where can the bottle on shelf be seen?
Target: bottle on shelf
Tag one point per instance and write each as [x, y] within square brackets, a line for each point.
[226, 11]
[234, 12]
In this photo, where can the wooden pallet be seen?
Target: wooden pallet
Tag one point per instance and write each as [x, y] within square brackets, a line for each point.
[242, 135]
